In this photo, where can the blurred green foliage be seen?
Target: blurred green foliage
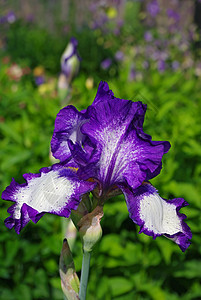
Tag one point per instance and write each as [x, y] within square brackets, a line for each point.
[124, 265]
[40, 47]
[34, 38]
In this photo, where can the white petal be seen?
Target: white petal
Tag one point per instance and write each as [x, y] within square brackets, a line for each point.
[48, 193]
[158, 215]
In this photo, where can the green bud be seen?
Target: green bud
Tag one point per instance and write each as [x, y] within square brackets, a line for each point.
[69, 278]
[83, 209]
[90, 229]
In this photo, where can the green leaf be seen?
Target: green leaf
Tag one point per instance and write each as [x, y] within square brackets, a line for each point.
[111, 244]
[10, 132]
[120, 285]
[190, 269]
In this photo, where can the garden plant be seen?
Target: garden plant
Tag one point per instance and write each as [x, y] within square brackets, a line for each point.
[63, 85]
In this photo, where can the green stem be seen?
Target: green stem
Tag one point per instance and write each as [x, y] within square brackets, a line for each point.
[84, 275]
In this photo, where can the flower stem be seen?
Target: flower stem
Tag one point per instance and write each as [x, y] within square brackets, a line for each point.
[84, 275]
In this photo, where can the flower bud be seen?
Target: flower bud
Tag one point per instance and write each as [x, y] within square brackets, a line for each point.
[70, 60]
[90, 228]
[69, 278]
[70, 63]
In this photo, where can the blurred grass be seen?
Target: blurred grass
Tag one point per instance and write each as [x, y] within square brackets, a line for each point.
[124, 265]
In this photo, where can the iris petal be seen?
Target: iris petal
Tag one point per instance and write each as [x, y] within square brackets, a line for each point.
[157, 216]
[67, 127]
[55, 190]
[103, 93]
[126, 153]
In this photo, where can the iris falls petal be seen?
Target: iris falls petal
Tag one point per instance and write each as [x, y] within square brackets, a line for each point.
[55, 190]
[157, 216]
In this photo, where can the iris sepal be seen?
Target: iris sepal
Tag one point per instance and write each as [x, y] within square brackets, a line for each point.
[55, 190]
[157, 216]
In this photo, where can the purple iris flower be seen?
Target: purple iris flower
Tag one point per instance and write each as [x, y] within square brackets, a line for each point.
[102, 148]
[173, 14]
[153, 8]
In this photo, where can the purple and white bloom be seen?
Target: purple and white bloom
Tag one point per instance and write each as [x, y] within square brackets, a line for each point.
[70, 60]
[101, 149]
[70, 64]
[11, 17]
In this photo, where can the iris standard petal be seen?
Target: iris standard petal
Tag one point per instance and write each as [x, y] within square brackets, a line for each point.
[103, 93]
[67, 127]
[157, 216]
[55, 190]
[126, 154]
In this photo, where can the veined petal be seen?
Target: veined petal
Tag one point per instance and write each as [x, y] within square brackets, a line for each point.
[157, 216]
[103, 93]
[55, 190]
[67, 127]
[127, 155]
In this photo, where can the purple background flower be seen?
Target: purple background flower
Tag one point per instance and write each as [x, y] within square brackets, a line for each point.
[106, 63]
[153, 8]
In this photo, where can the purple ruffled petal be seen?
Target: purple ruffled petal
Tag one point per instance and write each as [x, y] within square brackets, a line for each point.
[127, 154]
[67, 127]
[157, 216]
[103, 93]
[56, 190]
[85, 155]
